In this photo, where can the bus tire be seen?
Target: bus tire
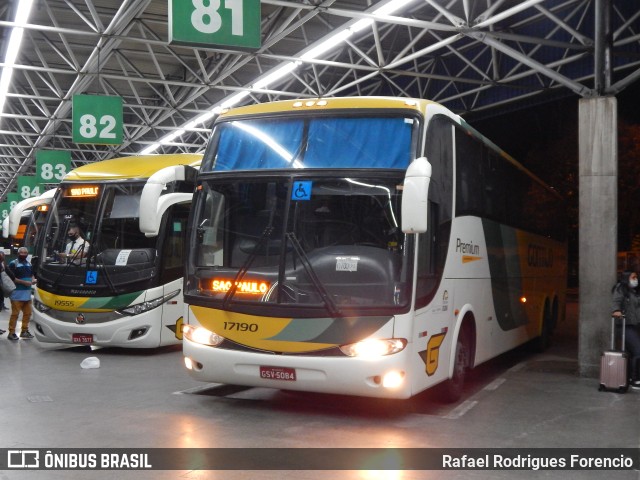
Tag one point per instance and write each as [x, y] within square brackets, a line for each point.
[452, 389]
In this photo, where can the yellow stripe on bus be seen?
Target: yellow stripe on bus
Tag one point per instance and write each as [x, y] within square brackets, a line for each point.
[252, 330]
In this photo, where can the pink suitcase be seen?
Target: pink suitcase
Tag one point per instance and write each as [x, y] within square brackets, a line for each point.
[613, 364]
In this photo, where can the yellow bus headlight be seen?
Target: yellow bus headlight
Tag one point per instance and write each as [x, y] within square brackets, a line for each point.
[201, 335]
[372, 348]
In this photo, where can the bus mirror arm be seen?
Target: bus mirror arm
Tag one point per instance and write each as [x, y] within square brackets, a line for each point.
[150, 226]
[31, 202]
[415, 196]
[152, 201]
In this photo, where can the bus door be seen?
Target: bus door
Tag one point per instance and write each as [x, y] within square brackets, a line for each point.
[172, 265]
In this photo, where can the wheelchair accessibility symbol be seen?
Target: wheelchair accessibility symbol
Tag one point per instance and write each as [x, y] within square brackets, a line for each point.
[301, 190]
[91, 277]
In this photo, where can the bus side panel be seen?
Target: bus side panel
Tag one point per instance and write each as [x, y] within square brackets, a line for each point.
[431, 340]
[502, 277]
[465, 287]
[526, 273]
[171, 314]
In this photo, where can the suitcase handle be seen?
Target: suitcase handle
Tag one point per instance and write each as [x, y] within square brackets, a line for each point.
[613, 331]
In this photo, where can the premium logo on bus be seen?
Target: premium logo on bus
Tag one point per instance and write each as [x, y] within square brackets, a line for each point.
[80, 319]
[470, 252]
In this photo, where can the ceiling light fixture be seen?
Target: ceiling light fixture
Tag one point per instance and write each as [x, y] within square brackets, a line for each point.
[22, 15]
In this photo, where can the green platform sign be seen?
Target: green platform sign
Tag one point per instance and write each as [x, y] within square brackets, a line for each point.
[215, 23]
[52, 165]
[97, 119]
[29, 187]
[13, 199]
[4, 210]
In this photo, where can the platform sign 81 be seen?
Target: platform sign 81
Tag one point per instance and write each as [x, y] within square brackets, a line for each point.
[209, 23]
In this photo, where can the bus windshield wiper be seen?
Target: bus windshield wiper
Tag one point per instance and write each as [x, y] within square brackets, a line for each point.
[304, 259]
[107, 276]
[66, 267]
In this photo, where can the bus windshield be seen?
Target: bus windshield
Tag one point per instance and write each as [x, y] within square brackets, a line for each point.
[109, 243]
[316, 242]
[312, 142]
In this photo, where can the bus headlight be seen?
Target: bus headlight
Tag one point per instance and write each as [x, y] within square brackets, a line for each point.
[372, 348]
[201, 335]
[41, 307]
[139, 308]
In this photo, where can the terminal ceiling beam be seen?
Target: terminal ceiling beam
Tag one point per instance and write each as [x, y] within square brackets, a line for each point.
[465, 54]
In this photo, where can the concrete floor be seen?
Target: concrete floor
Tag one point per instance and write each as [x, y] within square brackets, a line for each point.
[145, 399]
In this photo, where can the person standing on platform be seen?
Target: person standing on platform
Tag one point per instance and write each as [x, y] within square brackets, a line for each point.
[21, 273]
[626, 301]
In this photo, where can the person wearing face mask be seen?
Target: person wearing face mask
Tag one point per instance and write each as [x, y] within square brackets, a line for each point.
[77, 248]
[626, 301]
[21, 273]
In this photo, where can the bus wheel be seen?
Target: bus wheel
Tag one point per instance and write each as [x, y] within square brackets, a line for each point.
[452, 388]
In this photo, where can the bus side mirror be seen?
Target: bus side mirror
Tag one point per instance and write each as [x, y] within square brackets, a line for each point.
[415, 196]
[153, 203]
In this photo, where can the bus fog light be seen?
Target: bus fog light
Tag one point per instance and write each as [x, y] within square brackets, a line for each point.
[393, 379]
[373, 348]
[201, 335]
[192, 364]
[188, 363]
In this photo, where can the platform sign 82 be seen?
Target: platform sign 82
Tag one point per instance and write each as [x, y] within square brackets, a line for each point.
[97, 119]
[227, 23]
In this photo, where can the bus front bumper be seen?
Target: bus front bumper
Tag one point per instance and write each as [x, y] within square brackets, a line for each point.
[335, 375]
[129, 332]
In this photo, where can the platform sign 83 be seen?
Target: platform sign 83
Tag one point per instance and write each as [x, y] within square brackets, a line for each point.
[227, 23]
[52, 165]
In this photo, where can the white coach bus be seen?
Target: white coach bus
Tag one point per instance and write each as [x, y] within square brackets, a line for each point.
[365, 246]
[120, 282]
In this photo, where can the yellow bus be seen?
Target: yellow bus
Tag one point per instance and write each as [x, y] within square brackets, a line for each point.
[119, 283]
[365, 246]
